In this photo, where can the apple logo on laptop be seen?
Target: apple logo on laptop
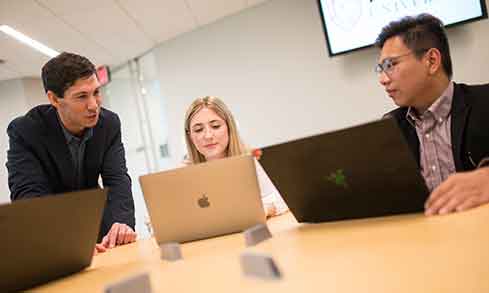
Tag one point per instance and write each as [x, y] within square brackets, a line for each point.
[204, 201]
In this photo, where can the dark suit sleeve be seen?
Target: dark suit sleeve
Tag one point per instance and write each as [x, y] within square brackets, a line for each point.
[114, 176]
[26, 178]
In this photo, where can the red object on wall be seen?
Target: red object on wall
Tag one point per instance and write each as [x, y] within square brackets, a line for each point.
[103, 74]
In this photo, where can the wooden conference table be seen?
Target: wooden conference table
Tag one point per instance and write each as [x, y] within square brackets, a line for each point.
[410, 253]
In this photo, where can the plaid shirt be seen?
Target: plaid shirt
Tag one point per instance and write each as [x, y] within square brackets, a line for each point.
[435, 144]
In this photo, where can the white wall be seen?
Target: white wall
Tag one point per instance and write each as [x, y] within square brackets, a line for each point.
[270, 65]
[17, 96]
[34, 92]
[11, 103]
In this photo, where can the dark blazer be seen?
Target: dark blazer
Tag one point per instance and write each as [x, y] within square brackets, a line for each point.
[39, 162]
[469, 126]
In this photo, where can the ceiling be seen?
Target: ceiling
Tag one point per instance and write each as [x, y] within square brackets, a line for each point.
[106, 31]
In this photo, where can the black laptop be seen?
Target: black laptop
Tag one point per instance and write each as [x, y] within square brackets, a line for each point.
[49, 237]
[358, 172]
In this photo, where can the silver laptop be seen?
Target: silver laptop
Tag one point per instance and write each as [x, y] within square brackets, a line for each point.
[48, 237]
[203, 200]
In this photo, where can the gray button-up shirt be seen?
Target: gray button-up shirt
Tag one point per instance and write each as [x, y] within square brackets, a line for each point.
[435, 143]
[77, 149]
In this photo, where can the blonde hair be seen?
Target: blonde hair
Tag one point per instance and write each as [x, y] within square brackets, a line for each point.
[235, 147]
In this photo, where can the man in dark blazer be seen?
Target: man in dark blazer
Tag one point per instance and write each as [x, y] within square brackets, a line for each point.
[66, 145]
[444, 123]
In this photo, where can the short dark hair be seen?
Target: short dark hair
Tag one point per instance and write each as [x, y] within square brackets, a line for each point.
[62, 71]
[420, 33]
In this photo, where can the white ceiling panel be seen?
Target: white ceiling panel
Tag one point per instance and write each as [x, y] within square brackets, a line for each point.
[251, 3]
[53, 31]
[106, 31]
[111, 27]
[6, 73]
[211, 10]
[20, 58]
[67, 7]
[162, 20]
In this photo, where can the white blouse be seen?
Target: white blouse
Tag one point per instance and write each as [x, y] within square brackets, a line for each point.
[269, 194]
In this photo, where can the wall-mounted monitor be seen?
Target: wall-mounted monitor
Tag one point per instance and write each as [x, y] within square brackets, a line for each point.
[354, 24]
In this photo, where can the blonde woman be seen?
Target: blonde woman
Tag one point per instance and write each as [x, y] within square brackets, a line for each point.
[211, 134]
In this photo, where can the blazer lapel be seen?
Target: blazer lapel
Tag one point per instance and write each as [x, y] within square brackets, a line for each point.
[409, 133]
[59, 150]
[460, 111]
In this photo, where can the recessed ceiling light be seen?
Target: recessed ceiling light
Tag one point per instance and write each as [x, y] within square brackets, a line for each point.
[28, 41]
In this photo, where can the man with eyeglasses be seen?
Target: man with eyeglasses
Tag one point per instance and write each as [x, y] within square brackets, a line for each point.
[445, 123]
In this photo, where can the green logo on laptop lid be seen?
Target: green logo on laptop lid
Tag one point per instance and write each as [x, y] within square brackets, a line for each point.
[338, 178]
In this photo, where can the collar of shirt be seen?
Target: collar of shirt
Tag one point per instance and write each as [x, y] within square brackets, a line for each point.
[70, 138]
[440, 109]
